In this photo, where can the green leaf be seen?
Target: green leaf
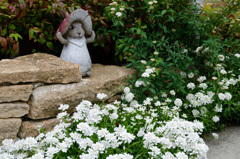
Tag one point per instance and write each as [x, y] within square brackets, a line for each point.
[12, 27]
[21, 1]
[163, 12]
[171, 18]
[139, 31]
[16, 36]
[41, 40]
[50, 45]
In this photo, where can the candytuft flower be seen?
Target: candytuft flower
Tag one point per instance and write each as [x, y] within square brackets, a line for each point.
[101, 96]
[119, 14]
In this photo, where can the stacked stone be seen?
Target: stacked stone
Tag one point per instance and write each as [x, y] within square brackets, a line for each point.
[32, 88]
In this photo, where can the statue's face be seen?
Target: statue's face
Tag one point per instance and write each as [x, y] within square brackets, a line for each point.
[76, 31]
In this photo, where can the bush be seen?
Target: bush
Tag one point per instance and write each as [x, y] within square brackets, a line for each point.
[113, 131]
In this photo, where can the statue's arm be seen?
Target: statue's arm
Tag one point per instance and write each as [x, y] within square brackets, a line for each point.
[91, 39]
[61, 38]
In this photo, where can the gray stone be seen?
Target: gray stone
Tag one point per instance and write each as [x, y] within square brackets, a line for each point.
[45, 100]
[15, 93]
[38, 67]
[9, 128]
[110, 79]
[17, 109]
[30, 128]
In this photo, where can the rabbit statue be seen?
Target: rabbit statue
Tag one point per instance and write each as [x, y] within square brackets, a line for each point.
[74, 33]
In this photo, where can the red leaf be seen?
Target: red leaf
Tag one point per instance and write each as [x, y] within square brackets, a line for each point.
[54, 8]
[4, 43]
[31, 3]
[95, 2]
[15, 47]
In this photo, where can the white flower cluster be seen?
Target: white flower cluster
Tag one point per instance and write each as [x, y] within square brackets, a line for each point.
[96, 132]
[128, 95]
[148, 72]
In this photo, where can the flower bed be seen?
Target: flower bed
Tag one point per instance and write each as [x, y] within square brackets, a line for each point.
[186, 84]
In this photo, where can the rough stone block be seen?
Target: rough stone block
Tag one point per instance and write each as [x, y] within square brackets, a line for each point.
[9, 128]
[30, 128]
[9, 110]
[110, 79]
[38, 67]
[46, 100]
[15, 93]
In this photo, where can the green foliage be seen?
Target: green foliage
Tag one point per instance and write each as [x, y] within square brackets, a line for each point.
[29, 26]
[167, 28]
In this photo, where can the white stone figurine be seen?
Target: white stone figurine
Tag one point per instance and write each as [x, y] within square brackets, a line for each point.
[74, 33]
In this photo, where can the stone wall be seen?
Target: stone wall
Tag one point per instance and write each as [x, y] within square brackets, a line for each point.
[32, 88]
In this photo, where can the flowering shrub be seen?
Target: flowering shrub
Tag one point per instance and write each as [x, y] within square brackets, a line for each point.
[113, 131]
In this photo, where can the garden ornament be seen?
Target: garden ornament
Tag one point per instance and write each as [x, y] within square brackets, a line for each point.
[74, 33]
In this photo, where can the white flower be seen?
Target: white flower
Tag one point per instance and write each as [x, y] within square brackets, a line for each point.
[185, 50]
[129, 97]
[195, 113]
[126, 137]
[178, 102]
[145, 74]
[139, 83]
[155, 53]
[228, 96]
[191, 86]
[126, 90]
[215, 136]
[221, 96]
[63, 107]
[38, 156]
[184, 115]
[201, 79]
[150, 3]
[101, 96]
[237, 55]
[113, 116]
[221, 57]
[113, 9]
[223, 72]
[143, 62]
[183, 73]
[181, 155]
[141, 132]
[191, 75]
[158, 103]
[121, 9]
[218, 108]
[62, 114]
[164, 95]
[119, 14]
[214, 78]
[152, 59]
[203, 85]
[172, 92]
[190, 97]
[198, 49]
[216, 119]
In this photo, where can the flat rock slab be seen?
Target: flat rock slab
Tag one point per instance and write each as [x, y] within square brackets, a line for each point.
[227, 146]
[15, 93]
[9, 128]
[17, 109]
[38, 67]
[110, 79]
[45, 100]
[30, 128]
